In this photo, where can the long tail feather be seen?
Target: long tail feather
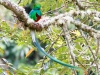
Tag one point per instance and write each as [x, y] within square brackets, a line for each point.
[37, 45]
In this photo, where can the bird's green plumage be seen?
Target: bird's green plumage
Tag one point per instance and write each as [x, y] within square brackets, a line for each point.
[37, 6]
[34, 11]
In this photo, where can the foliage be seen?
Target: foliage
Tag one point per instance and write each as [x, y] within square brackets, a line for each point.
[20, 42]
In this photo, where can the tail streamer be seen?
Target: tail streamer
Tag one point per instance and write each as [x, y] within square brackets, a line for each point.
[37, 45]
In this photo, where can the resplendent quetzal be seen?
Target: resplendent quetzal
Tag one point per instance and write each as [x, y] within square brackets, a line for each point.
[35, 14]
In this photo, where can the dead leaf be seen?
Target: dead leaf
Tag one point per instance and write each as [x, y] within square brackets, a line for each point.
[7, 71]
[29, 52]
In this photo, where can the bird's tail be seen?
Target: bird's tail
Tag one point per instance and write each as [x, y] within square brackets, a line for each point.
[37, 45]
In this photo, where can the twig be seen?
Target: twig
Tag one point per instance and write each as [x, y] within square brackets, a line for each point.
[79, 4]
[53, 10]
[98, 46]
[19, 1]
[49, 36]
[80, 63]
[55, 41]
[95, 3]
[70, 47]
[90, 50]
[51, 47]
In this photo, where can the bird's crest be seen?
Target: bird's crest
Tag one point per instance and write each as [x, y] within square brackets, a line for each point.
[37, 6]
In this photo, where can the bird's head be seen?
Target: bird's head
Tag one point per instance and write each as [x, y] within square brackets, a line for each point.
[37, 6]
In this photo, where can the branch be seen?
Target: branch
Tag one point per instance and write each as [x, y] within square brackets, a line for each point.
[21, 14]
[47, 21]
[94, 57]
[80, 5]
[69, 44]
[98, 45]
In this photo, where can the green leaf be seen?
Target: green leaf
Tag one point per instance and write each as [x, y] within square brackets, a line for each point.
[1, 70]
[1, 51]
[63, 71]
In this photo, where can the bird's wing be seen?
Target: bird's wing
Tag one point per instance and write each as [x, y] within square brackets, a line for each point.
[39, 12]
[32, 14]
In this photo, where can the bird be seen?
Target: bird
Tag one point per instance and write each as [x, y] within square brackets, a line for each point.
[36, 14]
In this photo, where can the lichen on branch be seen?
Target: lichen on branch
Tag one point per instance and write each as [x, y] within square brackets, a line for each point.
[45, 22]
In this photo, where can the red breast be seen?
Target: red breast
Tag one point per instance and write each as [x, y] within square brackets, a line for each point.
[38, 18]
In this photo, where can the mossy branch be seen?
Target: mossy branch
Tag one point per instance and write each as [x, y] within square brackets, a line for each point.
[45, 22]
